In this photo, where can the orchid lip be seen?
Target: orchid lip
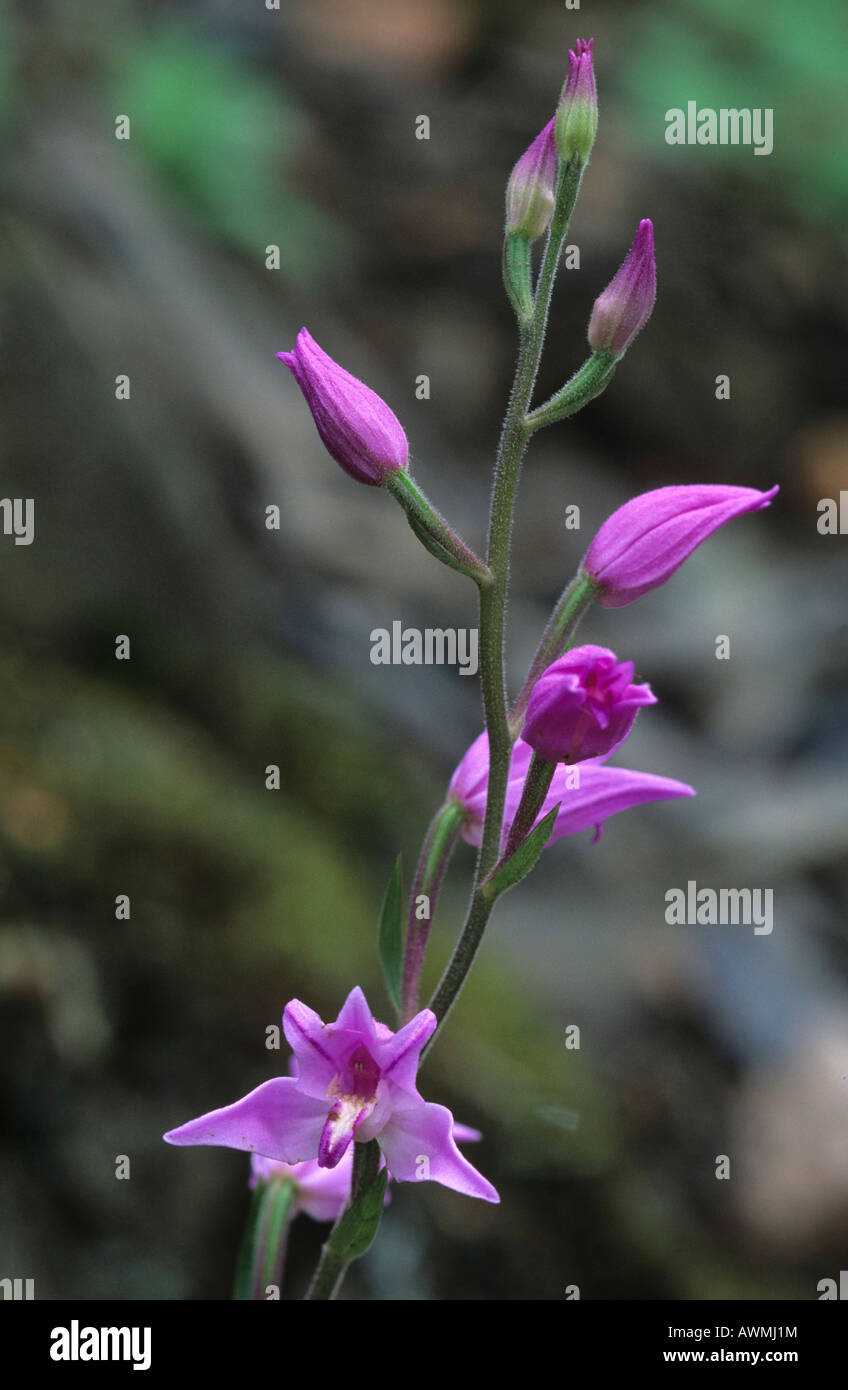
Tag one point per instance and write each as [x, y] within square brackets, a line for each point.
[353, 1092]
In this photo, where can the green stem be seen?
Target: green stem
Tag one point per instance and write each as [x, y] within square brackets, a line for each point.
[332, 1267]
[513, 443]
[562, 624]
[536, 783]
[328, 1277]
[435, 856]
[461, 961]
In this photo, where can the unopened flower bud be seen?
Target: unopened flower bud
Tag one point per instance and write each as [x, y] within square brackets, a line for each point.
[577, 114]
[531, 190]
[583, 706]
[641, 545]
[625, 305]
[357, 427]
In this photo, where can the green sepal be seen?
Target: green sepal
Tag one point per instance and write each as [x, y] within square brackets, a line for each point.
[505, 876]
[360, 1223]
[391, 935]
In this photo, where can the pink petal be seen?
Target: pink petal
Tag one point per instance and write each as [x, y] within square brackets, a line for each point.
[356, 1017]
[603, 792]
[309, 1040]
[275, 1120]
[398, 1058]
[418, 1131]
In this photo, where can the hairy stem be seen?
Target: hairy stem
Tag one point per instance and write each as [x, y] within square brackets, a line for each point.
[562, 624]
[536, 783]
[513, 442]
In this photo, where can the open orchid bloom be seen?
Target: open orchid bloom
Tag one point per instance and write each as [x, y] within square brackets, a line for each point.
[356, 1081]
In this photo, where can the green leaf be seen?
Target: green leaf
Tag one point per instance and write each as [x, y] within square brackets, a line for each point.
[359, 1225]
[391, 935]
[518, 866]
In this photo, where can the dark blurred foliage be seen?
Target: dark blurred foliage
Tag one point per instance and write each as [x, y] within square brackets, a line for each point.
[252, 128]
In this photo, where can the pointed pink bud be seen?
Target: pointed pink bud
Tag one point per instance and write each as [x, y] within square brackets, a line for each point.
[531, 190]
[641, 545]
[583, 706]
[357, 427]
[577, 113]
[625, 305]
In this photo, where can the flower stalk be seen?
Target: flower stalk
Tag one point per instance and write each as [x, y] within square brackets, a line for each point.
[536, 786]
[575, 599]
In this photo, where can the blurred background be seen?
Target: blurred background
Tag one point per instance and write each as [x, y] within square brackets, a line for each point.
[252, 128]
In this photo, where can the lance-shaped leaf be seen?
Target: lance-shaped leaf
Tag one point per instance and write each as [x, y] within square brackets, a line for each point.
[360, 1223]
[505, 876]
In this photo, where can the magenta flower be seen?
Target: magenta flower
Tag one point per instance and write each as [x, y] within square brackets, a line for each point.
[577, 113]
[530, 193]
[357, 427]
[602, 791]
[355, 1081]
[583, 706]
[641, 545]
[323, 1193]
[625, 305]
